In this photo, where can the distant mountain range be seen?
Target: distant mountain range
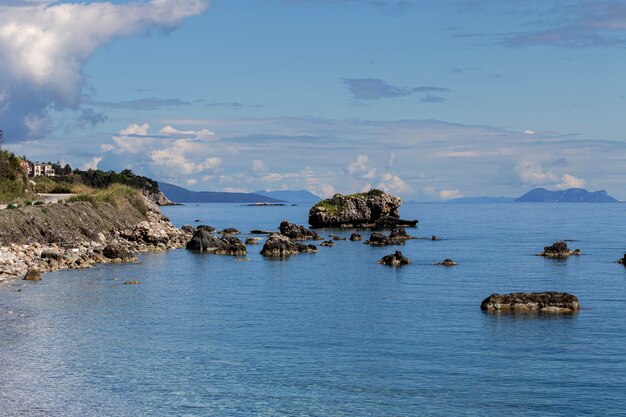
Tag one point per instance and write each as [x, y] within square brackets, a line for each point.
[182, 195]
[573, 195]
[541, 195]
[298, 196]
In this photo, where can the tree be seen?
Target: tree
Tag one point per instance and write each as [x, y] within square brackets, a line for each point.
[1, 138]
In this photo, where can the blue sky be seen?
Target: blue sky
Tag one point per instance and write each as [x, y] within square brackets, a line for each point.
[426, 99]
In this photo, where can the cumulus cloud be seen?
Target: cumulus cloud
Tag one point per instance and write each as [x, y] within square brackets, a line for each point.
[533, 174]
[44, 45]
[450, 194]
[361, 167]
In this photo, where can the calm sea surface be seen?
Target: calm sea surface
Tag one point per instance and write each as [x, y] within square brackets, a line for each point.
[331, 333]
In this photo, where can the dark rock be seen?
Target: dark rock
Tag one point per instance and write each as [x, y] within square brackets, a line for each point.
[279, 245]
[205, 242]
[435, 238]
[197, 220]
[327, 243]
[252, 241]
[296, 232]
[51, 254]
[399, 233]
[335, 237]
[229, 231]
[389, 222]
[355, 237]
[395, 259]
[206, 227]
[32, 275]
[188, 228]
[447, 262]
[358, 210]
[131, 283]
[115, 251]
[544, 302]
[379, 239]
[622, 260]
[558, 250]
[260, 232]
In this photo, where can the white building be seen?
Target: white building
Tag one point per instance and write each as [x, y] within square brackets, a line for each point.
[42, 170]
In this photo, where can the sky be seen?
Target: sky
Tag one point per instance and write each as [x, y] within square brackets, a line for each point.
[427, 99]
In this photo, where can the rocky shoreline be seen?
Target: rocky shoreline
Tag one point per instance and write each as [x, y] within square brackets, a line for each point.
[81, 235]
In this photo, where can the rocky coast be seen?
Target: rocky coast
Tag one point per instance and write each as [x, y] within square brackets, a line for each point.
[83, 234]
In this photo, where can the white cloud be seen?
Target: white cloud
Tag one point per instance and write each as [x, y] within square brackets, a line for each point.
[392, 184]
[570, 181]
[361, 167]
[258, 166]
[450, 194]
[92, 164]
[44, 45]
[529, 132]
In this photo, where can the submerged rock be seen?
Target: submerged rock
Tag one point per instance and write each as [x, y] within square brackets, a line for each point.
[32, 275]
[203, 241]
[379, 239]
[229, 231]
[355, 237]
[296, 232]
[395, 259]
[558, 250]
[260, 232]
[327, 243]
[335, 237]
[372, 209]
[279, 245]
[523, 302]
[447, 262]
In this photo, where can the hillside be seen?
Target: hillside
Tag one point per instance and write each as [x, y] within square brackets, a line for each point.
[292, 196]
[573, 195]
[13, 182]
[182, 195]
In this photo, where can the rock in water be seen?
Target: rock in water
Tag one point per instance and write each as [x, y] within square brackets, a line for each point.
[295, 232]
[622, 260]
[395, 259]
[558, 250]
[203, 241]
[355, 237]
[447, 262]
[328, 243]
[379, 239]
[357, 210]
[399, 233]
[279, 245]
[32, 275]
[252, 241]
[523, 302]
[229, 231]
[113, 251]
[206, 227]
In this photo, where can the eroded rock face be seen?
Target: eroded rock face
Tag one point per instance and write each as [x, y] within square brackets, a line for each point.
[395, 259]
[357, 210]
[524, 302]
[203, 241]
[558, 250]
[279, 245]
[379, 239]
[296, 232]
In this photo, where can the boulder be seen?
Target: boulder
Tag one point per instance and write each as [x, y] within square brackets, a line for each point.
[203, 241]
[395, 259]
[116, 251]
[379, 239]
[252, 241]
[229, 231]
[206, 227]
[435, 238]
[188, 228]
[32, 275]
[622, 260]
[524, 302]
[329, 243]
[296, 232]
[279, 245]
[399, 233]
[355, 237]
[51, 254]
[447, 262]
[335, 237]
[358, 210]
[558, 250]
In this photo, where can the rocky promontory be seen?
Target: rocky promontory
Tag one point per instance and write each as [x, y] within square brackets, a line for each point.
[374, 208]
[91, 230]
[524, 302]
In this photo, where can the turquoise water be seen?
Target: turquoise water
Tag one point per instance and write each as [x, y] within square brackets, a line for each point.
[331, 333]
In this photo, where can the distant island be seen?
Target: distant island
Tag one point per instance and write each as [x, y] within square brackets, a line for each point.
[573, 195]
[292, 196]
[182, 195]
[541, 195]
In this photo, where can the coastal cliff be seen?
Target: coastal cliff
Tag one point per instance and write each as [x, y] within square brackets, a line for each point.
[80, 234]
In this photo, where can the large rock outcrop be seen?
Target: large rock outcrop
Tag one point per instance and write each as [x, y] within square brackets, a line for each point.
[296, 232]
[372, 209]
[279, 245]
[203, 241]
[524, 302]
[558, 250]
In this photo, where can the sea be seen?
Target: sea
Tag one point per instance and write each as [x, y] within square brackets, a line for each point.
[331, 333]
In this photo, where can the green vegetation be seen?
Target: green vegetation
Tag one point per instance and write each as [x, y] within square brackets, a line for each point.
[114, 194]
[339, 203]
[13, 182]
[92, 178]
